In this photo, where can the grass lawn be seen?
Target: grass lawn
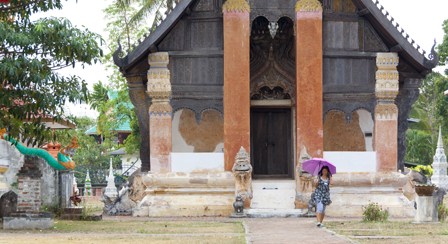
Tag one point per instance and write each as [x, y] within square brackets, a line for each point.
[127, 231]
[391, 232]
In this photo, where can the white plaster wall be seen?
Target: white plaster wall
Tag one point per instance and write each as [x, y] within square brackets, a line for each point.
[189, 162]
[366, 124]
[11, 157]
[178, 143]
[352, 161]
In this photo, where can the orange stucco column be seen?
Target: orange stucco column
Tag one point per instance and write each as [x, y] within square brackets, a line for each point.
[309, 56]
[386, 112]
[236, 79]
[160, 112]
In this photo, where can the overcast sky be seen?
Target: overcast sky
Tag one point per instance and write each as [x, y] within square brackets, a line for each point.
[421, 19]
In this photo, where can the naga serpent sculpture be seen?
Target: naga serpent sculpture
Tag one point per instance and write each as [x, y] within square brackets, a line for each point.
[63, 160]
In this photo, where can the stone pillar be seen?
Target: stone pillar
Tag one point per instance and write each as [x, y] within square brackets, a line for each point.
[140, 100]
[28, 199]
[65, 188]
[386, 112]
[309, 61]
[439, 165]
[160, 112]
[426, 209]
[236, 79]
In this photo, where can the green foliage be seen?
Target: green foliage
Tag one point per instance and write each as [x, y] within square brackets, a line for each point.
[442, 211]
[443, 47]
[374, 213]
[136, 13]
[31, 52]
[430, 109]
[419, 147]
[53, 208]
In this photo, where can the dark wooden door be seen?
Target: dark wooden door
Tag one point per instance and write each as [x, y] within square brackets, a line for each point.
[271, 142]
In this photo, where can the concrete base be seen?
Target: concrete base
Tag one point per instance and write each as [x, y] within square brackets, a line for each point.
[349, 201]
[426, 209]
[277, 213]
[25, 221]
[187, 194]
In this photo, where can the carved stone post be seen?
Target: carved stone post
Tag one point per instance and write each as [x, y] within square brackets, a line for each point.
[242, 171]
[386, 112]
[160, 112]
[309, 76]
[304, 182]
[140, 100]
[236, 78]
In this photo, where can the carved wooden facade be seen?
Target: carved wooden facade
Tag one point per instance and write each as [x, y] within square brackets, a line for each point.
[354, 31]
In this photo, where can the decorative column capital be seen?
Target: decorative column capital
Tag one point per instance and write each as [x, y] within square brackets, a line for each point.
[308, 6]
[158, 59]
[159, 85]
[387, 61]
[236, 6]
[386, 87]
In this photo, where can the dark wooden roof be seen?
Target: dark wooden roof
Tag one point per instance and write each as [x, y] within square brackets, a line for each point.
[395, 37]
[389, 30]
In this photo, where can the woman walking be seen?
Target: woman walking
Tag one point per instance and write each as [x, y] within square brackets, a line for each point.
[322, 194]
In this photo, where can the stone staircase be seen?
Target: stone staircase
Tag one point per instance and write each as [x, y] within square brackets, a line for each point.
[273, 194]
[274, 198]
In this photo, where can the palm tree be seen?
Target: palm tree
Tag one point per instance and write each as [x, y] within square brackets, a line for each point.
[145, 8]
[98, 97]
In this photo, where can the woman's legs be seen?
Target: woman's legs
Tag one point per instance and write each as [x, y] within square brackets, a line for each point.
[320, 212]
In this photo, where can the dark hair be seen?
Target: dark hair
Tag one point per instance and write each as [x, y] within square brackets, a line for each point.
[328, 170]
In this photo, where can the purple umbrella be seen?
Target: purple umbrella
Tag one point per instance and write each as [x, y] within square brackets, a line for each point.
[314, 165]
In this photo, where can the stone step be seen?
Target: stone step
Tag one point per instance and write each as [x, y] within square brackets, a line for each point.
[277, 213]
[273, 194]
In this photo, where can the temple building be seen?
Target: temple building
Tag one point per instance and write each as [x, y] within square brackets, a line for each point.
[285, 80]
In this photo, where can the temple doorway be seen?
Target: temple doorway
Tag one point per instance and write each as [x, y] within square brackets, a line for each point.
[271, 141]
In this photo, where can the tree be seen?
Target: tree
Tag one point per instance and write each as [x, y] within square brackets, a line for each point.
[431, 110]
[31, 52]
[118, 109]
[143, 9]
[443, 47]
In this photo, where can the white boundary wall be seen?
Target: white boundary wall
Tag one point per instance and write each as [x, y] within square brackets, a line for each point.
[189, 162]
[352, 161]
[344, 161]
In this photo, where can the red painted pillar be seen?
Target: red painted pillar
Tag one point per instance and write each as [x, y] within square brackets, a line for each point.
[236, 79]
[309, 77]
[386, 112]
[160, 112]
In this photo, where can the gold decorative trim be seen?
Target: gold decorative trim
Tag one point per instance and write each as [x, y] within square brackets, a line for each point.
[308, 6]
[387, 61]
[236, 6]
[386, 112]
